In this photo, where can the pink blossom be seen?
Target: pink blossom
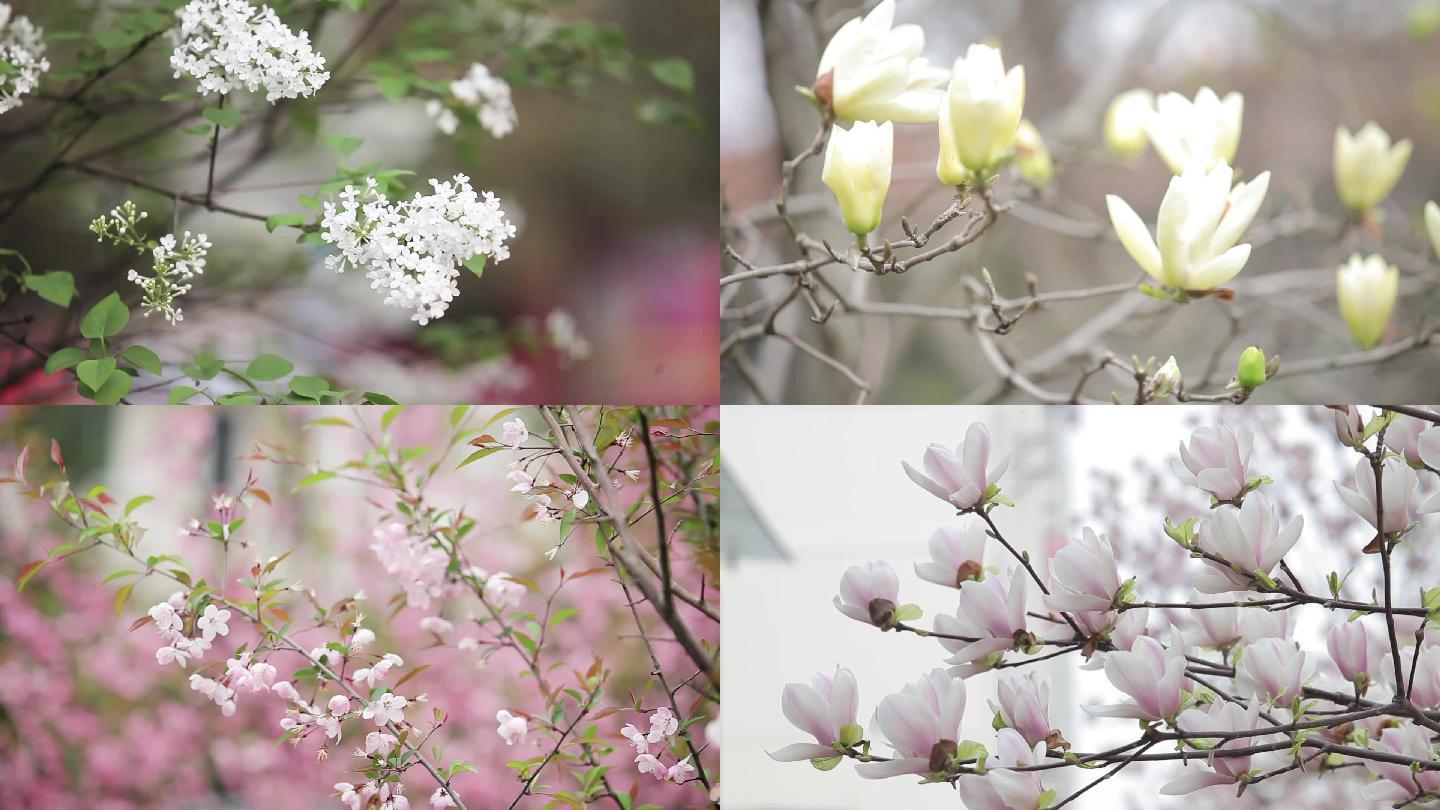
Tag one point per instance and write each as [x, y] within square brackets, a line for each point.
[283, 689]
[512, 728]
[514, 433]
[166, 619]
[166, 655]
[1354, 650]
[1154, 676]
[1429, 448]
[380, 743]
[961, 478]
[440, 799]
[821, 709]
[957, 554]
[1274, 670]
[1001, 787]
[1223, 716]
[663, 723]
[990, 612]
[1403, 436]
[680, 771]
[522, 480]
[1425, 692]
[636, 738]
[388, 708]
[1217, 628]
[1398, 483]
[869, 592]
[1251, 537]
[1349, 425]
[369, 675]
[502, 591]
[348, 795]
[648, 763]
[1259, 623]
[1398, 783]
[1083, 575]
[436, 625]
[920, 722]
[1216, 460]
[1025, 706]
[339, 704]
[213, 622]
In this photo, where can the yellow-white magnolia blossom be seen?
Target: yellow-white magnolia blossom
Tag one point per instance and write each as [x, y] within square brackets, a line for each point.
[1367, 166]
[857, 169]
[1125, 122]
[1432, 224]
[1032, 156]
[878, 73]
[1204, 132]
[980, 114]
[1201, 218]
[1367, 289]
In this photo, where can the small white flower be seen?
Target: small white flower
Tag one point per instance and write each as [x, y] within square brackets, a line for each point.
[485, 93]
[436, 625]
[226, 44]
[213, 622]
[22, 44]
[512, 729]
[388, 708]
[663, 723]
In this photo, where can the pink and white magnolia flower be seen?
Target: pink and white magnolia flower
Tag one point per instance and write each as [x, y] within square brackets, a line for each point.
[1153, 675]
[1223, 716]
[1083, 575]
[1399, 485]
[388, 708]
[1403, 436]
[1425, 691]
[1215, 628]
[821, 709]
[1355, 650]
[1257, 624]
[1274, 670]
[1428, 448]
[920, 722]
[1251, 537]
[512, 728]
[957, 554]
[963, 477]
[1398, 783]
[1349, 425]
[869, 592]
[990, 612]
[1025, 706]
[1216, 460]
[1001, 787]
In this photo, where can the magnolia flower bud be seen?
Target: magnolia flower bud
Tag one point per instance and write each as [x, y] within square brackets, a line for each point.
[1201, 218]
[1274, 670]
[1367, 166]
[1216, 460]
[1355, 653]
[822, 709]
[962, 478]
[864, 585]
[1432, 224]
[1349, 425]
[914, 721]
[983, 103]
[1251, 372]
[1367, 290]
[857, 170]
[1203, 133]
[1125, 122]
[871, 70]
[1032, 156]
[1025, 706]
[1167, 379]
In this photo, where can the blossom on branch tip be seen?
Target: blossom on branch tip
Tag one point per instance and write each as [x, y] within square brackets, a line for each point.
[823, 709]
[1399, 487]
[1366, 290]
[440, 799]
[1024, 705]
[991, 612]
[1151, 674]
[857, 170]
[1002, 787]
[957, 554]
[922, 723]
[980, 115]
[1125, 121]
[869, 593]
[1222, 716]
[226, 44]
[388, 708]
[1349, 425]
[1084, 575]
[1355, 651]
[213, 622]
[514, 433]
[871, 70]
[1402, 436]
[1200, 221]
[965, 478]
[680, 771]
[1274, 670]
[1216, 460]
[1400, 783]
[512, 728]
[1250, 538]
[1203, 133]
[1367, 166]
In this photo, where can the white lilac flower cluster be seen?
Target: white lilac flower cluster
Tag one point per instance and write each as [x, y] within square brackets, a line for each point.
[663, 725]
[485, 93]
[227, 44]
[22, 48]
[175, 261]
[412, 249]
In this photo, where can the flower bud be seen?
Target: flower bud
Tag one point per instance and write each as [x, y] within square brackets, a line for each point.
[1367, 290]
[1252, 368]
[1032, 156]
[871, 70]
[1125, 122]
[1167, 379]
[984, 103]
[1349, 425]
[857, 170]
[1432, 224]
[1367, 166]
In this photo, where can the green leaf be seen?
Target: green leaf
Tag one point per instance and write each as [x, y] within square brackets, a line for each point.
[428, 54]
[137, 502]
[122, 596]
[393, 87]
[674, 73]
[310, 387]
[119, 36]
[221, 116]
[342, 145]
[284, 221]
[64, 358]
[478, 454]
[205, 367]
[314, 478]
[372, 398]
[94, 373]
[181, 393]
[57, 287]
[105, 318]
[268, 367]
[142, 358]
[476, 264]
[114, 389]
[178, 95]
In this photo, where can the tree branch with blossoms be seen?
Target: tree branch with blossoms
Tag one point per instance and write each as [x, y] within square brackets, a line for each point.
[1261, 709]
[832, 302]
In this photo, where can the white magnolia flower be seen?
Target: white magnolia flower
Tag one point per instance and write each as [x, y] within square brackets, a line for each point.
[1366, 289]
[227, 44]
[1367, 166]
[857, 170]
[876, 72]
[980, 115]
[1201, 218]
[22, 45]
[412, 249]
[1125, 121]
[1203, 133]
